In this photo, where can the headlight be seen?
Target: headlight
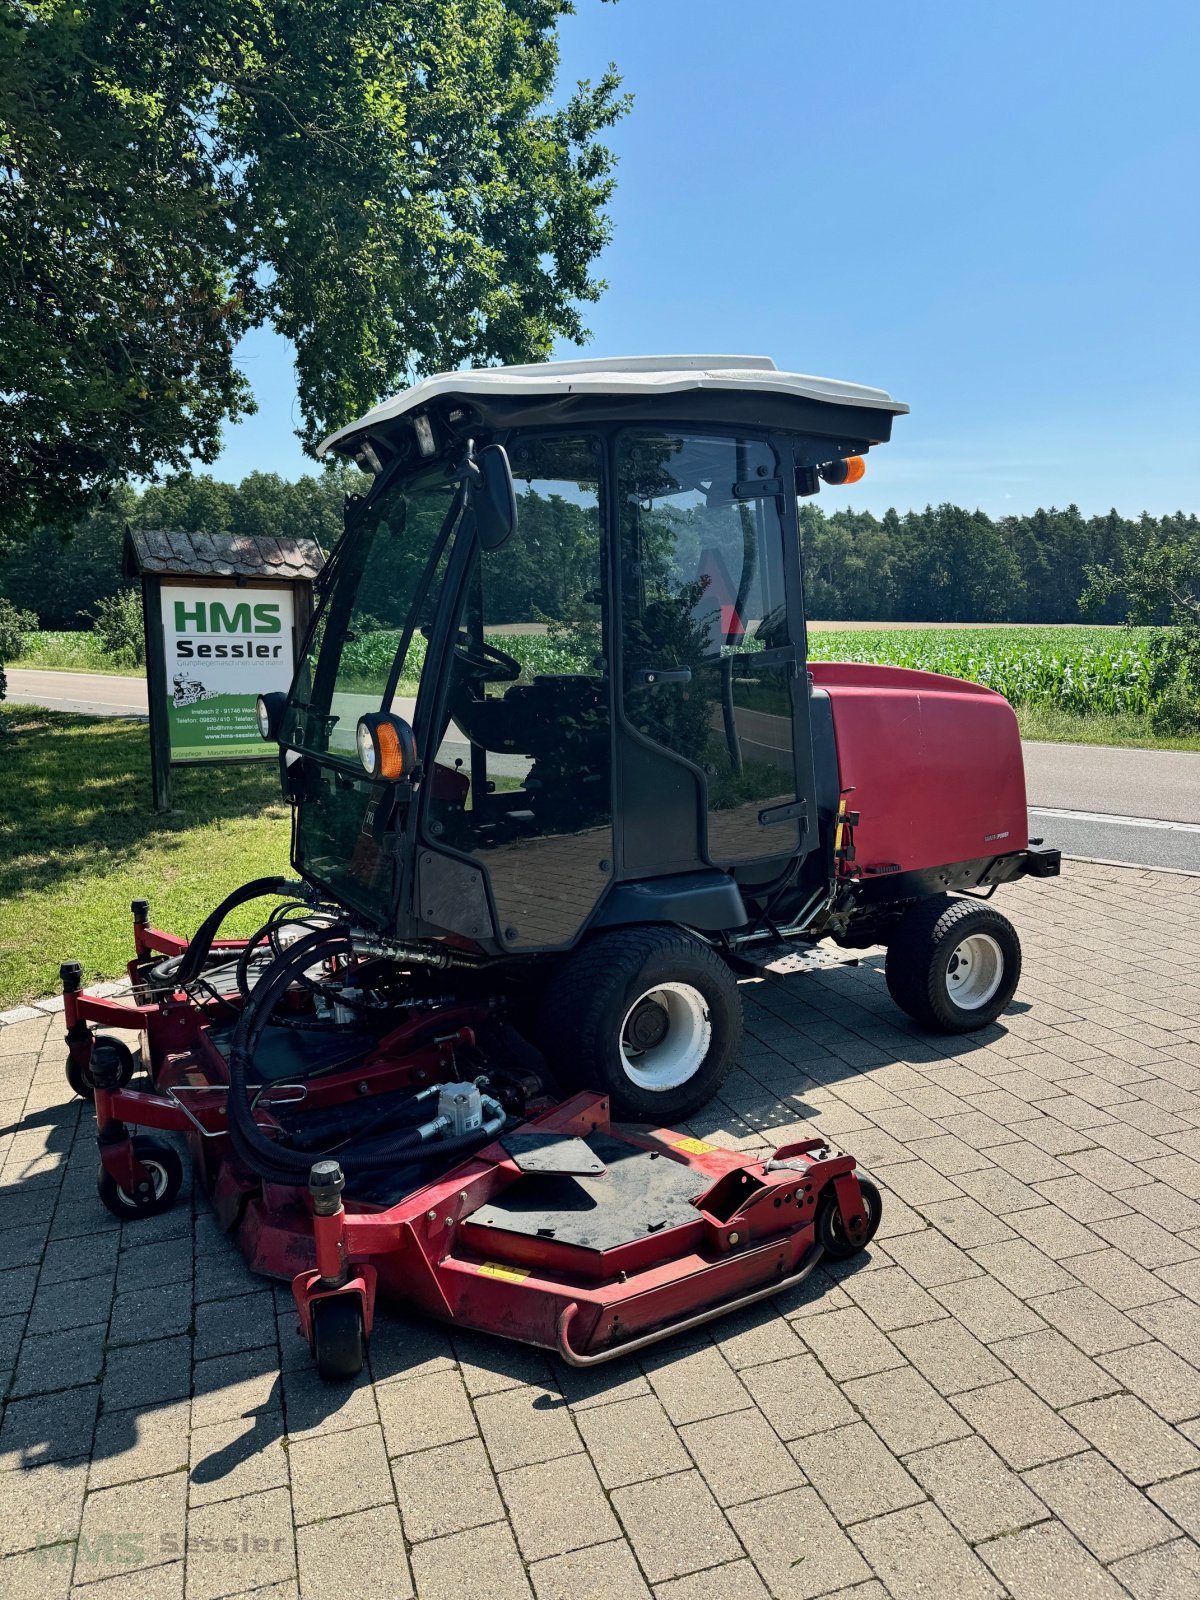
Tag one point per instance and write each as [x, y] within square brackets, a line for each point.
[386, 747]
[262, 713]
[366, 749]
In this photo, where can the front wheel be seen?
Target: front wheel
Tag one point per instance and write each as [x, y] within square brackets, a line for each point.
[339, 1344]
[156, 1192]
[953, 965]
[830, 1228]
[651, 1016]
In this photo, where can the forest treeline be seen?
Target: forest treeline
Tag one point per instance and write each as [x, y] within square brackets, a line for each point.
[942, 564]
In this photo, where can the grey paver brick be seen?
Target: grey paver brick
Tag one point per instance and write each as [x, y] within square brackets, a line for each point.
[797, 1398]
[998, 1191]
[557, 1506]
[920, 1556]
[164, 1582]
[47, 1427]
[735, 1581]
[1142, 1445]
[1022, 1268]
[525, 1425]
[631, 1440]
[130, 1445]
[695, 1384]
[950, 1356]
[313, 1406]
[849, 1345]
[73, 1304]
[1047, 1563]
[41, 1505]
[905, 1410]
[421, 1412]
[483, 1560]
[72, 1259]
[987, 1308]
[231, 1459]
[1180, 1499]
[446, 1490]
[233, 1386]
[1100, 1507]
[740, 1457]
[490, 1365]
[1018, 1426]
[222, 1328]
[37, 1574]
[855, 1473]
[1163, 1574]
[974, 1488]
[1118, 1280]
[1082, 1199]
[1175, 1323]
[674, 1525]
[891, 1299]
[339, 1472]
[1088, 1320]
[1054, 1233]
[603, 1572]
[930, 1258]
[50, 1361]
[1053, 1368]
[1165, 1381]
[147, 1374]
[240, 1545]
[1145, 1241]
[151, 1313]
[917, 1184]
[356, 1557]
[797, 1546]
[128, 1530]
[760, 1333]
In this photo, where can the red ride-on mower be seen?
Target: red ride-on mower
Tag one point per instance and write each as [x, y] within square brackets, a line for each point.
[561, 773]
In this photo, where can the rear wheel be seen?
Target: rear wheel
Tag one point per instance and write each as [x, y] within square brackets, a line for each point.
[650, 1016]
[114, 1052]
[339, 1342]
[831, 1229]
[953, 965]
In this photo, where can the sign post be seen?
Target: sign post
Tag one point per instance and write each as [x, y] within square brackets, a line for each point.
[224, 619]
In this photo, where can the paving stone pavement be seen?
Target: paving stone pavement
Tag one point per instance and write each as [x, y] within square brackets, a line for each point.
[1001, 1398]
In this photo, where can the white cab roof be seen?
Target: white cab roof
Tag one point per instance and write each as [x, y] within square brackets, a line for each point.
[648, 375]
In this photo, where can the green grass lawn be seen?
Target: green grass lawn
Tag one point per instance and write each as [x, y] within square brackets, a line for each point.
[70, 652]
[78, 842]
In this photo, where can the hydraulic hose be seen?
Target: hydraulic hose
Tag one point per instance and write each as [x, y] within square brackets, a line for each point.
[277, 1163]
[192, 961]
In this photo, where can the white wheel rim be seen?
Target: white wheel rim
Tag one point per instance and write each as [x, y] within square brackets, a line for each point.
[678, 1055]
[158, 1179]
[975, 971]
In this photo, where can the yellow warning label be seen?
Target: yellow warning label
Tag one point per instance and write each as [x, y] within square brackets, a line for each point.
[497, 1269]
[694, 1147]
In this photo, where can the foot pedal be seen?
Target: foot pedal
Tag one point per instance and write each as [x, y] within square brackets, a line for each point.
[779, 958]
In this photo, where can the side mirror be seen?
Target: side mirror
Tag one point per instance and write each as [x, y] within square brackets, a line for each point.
[493, 497]
[268, 712]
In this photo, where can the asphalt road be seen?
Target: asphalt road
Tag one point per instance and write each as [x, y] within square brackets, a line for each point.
[1141, 807]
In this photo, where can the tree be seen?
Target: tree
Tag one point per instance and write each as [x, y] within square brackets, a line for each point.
[386, 181]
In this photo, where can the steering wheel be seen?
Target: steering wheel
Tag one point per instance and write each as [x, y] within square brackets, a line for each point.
[485, 660]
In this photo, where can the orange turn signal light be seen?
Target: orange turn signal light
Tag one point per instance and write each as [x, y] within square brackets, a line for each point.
[386, 746]
[849, 470]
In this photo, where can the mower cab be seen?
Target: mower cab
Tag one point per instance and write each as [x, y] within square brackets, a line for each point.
[561, 772]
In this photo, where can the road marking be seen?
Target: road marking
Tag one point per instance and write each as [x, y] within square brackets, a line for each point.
[1124, 822]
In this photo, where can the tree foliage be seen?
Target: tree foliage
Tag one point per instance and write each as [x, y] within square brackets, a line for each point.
[389, 183]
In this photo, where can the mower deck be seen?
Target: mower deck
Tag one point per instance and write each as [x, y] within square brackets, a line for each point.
[566, 1231]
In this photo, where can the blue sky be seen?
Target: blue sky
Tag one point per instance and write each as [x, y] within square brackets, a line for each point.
[990, 210]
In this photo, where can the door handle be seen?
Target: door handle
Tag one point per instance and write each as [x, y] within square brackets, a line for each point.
[652, 675]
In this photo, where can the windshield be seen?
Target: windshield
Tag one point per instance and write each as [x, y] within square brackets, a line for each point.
[384, 593]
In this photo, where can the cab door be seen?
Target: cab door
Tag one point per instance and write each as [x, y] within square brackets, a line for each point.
[712, 640]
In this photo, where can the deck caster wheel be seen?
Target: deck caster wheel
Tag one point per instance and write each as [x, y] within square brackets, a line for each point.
[160, 1189]
[831, 1231]
[650, 1016]
[339, 1345]
[117, 1055]
[953, 965]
